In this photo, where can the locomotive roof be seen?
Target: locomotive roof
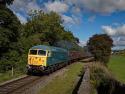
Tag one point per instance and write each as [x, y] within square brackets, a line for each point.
[51, 48]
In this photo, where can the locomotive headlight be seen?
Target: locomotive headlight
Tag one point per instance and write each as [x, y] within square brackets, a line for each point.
[30, 59]
[28, 66]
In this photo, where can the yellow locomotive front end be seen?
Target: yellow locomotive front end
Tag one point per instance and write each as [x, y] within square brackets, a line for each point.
[36, 59]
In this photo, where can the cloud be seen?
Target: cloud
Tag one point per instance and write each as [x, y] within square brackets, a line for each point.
[32, 6]
[22, 19]
[24, 5]
[109, 30]
[56, 6]
[117, 34]
[101, 6]
[77, 19]
[119, 41]
[61, 8]
[73, 7]
[83, 43]
[92, 18]
[119, 31]
[116, 24]
[75, 10]
[68, 19]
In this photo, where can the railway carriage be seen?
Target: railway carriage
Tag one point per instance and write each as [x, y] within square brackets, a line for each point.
[75, 55]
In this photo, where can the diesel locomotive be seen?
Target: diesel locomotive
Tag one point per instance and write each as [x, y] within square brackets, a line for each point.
[47, 58]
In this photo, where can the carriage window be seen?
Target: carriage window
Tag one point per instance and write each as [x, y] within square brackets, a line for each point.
[33, 52]
[41, 52]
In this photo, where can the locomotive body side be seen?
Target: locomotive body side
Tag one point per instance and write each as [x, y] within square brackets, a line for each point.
[57, 57]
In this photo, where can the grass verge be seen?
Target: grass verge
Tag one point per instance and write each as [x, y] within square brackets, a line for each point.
[8, 76]
[65, 83]
[117, 66]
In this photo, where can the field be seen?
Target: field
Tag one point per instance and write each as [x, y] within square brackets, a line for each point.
[65, 83]
[117, 66]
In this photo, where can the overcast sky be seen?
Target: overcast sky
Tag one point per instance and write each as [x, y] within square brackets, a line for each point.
[83, 17]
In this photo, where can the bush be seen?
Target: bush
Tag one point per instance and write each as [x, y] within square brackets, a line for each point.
[100, 47]
[101, 79]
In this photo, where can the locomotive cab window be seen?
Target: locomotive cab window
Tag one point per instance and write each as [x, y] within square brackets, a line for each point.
[33, 52]
[41, 52]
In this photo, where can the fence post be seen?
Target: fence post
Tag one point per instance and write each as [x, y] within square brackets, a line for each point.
[12, 71]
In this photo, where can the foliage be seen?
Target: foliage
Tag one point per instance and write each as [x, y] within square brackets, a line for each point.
[9, 36]
[101, 78]
[119, 52]
[69, 45]
[9, 28]
[100, 47]
[47, 29]
[4, 2]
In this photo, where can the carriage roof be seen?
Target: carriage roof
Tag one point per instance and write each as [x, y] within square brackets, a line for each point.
[51, 48]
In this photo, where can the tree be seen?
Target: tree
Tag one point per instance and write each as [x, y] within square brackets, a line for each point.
[100, 47]
[77, 40]
[4, 2]
[48, 27]
[9, 29]
[68, 36]
[9, 36]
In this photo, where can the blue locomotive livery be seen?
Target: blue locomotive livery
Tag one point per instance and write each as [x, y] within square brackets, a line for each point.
[47, 58]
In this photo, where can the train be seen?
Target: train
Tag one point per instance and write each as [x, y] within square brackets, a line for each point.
[46, 59]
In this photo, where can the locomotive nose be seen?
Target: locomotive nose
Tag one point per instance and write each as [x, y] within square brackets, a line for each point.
[34, 60]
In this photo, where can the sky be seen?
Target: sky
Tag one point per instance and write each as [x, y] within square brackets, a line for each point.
[83, 18]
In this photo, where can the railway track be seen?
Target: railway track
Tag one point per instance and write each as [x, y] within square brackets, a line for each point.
[11, 87]
[28, 84]
[23, 84]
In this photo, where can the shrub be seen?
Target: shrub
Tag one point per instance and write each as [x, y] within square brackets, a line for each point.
[100, 47]
[101, 78]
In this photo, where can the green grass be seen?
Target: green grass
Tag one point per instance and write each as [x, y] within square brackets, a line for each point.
[8, 76]
[65, 83]
[117, 66]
